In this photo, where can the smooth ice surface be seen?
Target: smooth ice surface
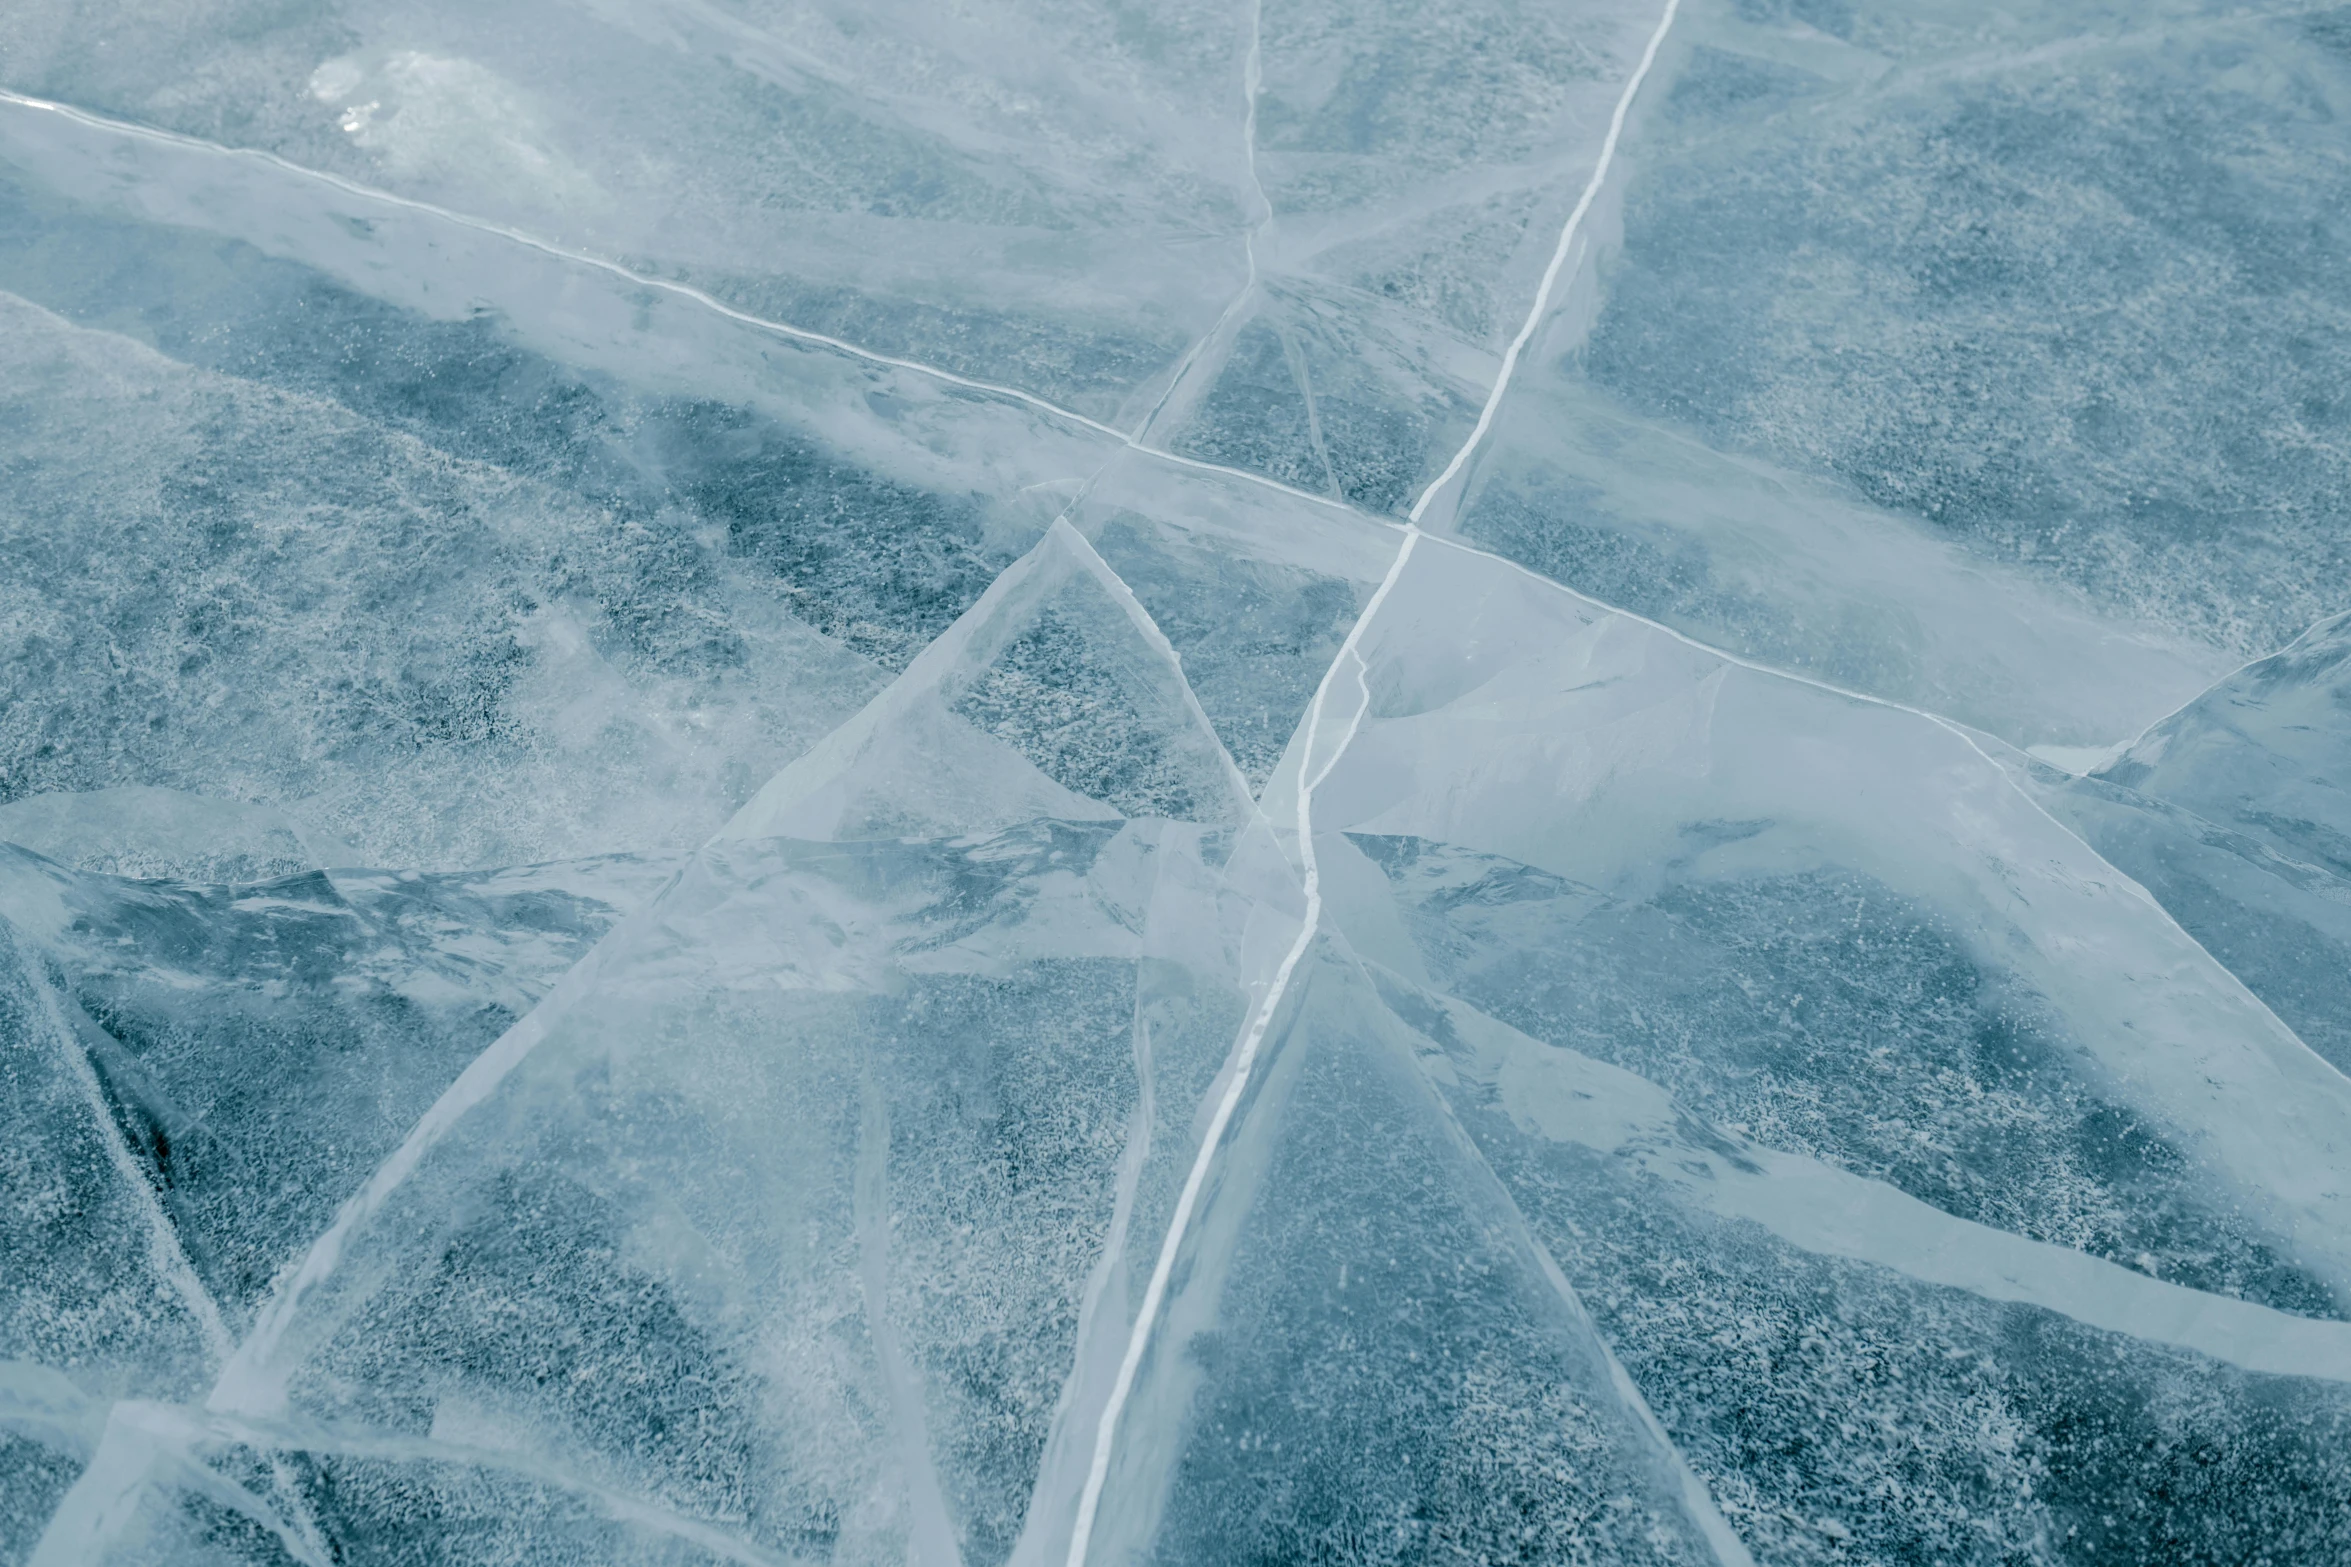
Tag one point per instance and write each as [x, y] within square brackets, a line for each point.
[1051, 783]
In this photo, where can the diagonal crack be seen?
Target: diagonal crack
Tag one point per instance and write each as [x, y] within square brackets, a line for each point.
[1559, 254]
[1494, 1195]
[1082, 550]
[1245, 1051]
[1305, 380]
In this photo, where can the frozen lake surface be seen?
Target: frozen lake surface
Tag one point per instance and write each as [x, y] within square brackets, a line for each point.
[1050, 783]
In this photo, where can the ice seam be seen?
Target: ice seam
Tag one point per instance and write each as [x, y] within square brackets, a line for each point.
[1567, 233]
[1244, 1058]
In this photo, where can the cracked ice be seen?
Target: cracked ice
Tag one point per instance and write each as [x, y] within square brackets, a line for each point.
[1041, 785]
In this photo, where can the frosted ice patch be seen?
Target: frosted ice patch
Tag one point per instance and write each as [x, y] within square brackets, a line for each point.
[434, 119]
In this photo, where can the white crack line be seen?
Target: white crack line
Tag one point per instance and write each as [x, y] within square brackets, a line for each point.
[1261, 1017]
[1559, 253]
[1244, 1058]
[686, 291]
[2291, 643]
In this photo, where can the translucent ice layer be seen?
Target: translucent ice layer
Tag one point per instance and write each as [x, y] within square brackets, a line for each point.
[1053, 784]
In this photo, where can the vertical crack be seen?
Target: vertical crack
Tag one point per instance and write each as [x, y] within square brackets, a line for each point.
[1207, 356]
[1251, 1041]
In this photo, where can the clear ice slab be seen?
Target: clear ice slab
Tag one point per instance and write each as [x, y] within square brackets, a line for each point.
[757, 804]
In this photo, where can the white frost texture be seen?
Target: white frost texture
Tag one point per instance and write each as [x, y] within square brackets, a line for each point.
[1175, 783]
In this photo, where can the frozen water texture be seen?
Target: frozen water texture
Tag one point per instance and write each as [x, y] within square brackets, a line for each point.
[1058, 783]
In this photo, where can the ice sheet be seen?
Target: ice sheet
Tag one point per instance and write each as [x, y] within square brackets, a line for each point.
[1049, 783]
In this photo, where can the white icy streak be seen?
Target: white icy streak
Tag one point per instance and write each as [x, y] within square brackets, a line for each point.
[133, 1445]
[686, 291]
[1566, 1096]
[1094, 1341]
[180, 1428]
[1567, 233]
[1252, 1039]
[1838, 1214]
[146, 133]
